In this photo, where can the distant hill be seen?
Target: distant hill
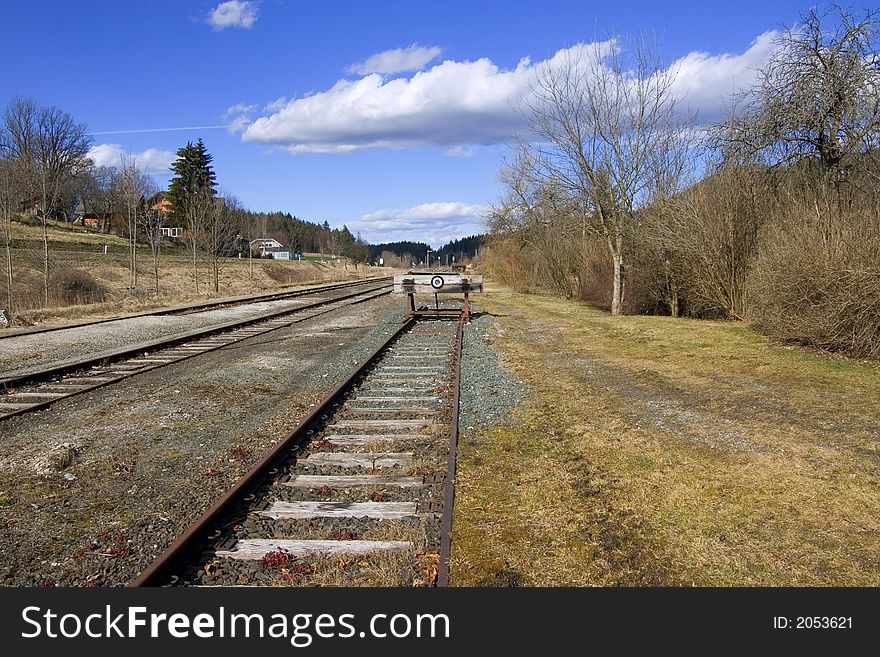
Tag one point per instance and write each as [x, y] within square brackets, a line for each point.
[461, 249]
[409, 252]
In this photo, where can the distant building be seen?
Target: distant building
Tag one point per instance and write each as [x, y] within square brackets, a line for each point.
[162, 204]
[89, 218]
[267, 247]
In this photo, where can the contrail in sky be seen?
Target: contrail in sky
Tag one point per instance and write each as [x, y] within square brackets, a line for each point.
[126, 132]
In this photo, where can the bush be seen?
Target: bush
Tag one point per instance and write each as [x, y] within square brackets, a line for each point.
[76, 287]
[808, 291]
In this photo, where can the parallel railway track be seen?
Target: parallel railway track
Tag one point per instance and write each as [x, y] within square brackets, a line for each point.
[40, 389]
[361, 492]
[188, 309]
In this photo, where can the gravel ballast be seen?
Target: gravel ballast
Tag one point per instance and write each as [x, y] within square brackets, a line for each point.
[93, 488]
[488, 389]
[24, 354]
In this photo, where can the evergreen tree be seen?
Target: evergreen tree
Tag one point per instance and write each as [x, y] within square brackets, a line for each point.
[192, 193]
[193, 177]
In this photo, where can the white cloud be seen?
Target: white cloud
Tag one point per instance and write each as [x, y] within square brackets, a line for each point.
[706, 82]
[153, 162]
[233, 13]
[458, 104]
[398, 60]
[451, 104]
[240, 108]
[276, 104]
[434, 223]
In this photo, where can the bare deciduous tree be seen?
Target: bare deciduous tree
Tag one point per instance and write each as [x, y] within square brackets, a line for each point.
[198, 207]
[220, 229]
[56, 146]
[151, 224]
[134, 186]
[13, 191]
[603, 115]
[96, 187]
[818, 96]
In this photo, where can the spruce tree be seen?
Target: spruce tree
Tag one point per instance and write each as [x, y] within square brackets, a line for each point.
[192, 193]
[193, 176]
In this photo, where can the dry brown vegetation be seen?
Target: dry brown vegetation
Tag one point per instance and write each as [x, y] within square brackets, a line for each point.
[86, 282]
[782, 229]
[662, 451]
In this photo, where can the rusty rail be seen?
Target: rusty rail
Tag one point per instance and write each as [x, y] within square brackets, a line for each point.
[164, 343]
[449, 484]
[193, 539]
[197, 307]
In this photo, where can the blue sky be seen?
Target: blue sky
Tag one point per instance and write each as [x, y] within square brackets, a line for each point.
[389, 117]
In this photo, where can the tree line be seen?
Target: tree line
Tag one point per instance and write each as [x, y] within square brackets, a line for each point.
[617, 195]
[406, 254]
[47, 176]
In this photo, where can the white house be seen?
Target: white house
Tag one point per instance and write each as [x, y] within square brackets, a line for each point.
[266, 246]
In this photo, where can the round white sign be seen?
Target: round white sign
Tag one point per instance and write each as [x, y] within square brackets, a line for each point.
[437, 282]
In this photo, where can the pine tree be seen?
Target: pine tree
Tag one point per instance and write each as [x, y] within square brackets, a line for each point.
[192, 193]
[193, 176]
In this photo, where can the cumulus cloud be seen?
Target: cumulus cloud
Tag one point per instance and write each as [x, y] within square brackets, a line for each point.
[233, 13]
[452, 103]
[276, 104]
[434, 223]
[458, 104]
[705, 82]
[398, 60]
[240, 108]
[153, 162]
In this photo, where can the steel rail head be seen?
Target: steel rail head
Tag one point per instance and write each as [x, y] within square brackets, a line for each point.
[185, 546]
[451, 463]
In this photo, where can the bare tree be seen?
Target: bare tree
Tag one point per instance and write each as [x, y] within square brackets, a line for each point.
[818, 96]
[151, 221]
[57, 147]
[134, 186]
[199, 206]
[603, 116]
[96, 190]
[220, 231]
[538, 223]
[13, 191]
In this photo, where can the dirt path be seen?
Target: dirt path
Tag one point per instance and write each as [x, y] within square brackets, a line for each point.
[663, 451]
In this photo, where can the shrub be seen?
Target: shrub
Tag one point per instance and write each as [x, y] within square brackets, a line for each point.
[75, 287]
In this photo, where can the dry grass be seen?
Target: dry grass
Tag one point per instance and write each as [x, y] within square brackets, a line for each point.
[664, 451]
[75, 256]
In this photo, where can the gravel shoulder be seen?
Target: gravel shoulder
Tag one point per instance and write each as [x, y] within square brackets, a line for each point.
[488, 389]
[93, 488]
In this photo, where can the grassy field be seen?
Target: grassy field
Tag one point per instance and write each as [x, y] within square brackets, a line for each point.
[67, 237]
[660, 451]
[86, 282]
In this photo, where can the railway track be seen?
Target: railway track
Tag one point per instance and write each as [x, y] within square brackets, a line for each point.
[40, 389]
[188, 309]
[360, 493]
